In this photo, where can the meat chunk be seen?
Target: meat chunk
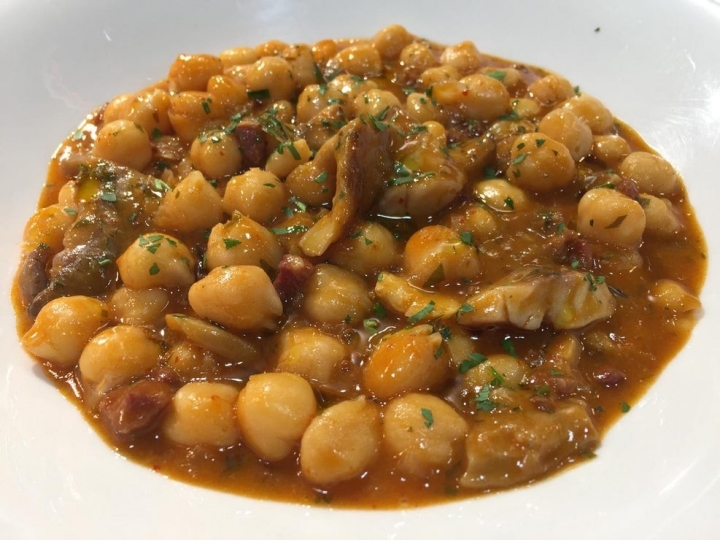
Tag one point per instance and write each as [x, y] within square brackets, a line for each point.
[576, 252]
[252, 142]
[293, 272]
[363, 163]
[110, 196]
[567, 299]
[515, 447]
[559, 372]
[629, 188]
[132, 410]
[32, 279]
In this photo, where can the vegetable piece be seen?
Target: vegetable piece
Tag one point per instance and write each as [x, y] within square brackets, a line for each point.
[214, 339]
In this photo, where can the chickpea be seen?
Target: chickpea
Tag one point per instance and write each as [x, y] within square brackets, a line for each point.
[302, 64]
[148, 108]
[464, 57]
[565, 127]
[193, 204]
[117, 108]
[420, 108]
[307, 352]
[424, 434]
[190, 112]
[594, 113]
[417, 57]
[391, 40]
[609, 216]
[551, 90]
[273, 74]
[314, 182]
[125, 143]
[500, 195]
[610, 149]
[238, 56]
[367, 250]
[192, 72]
[190, 360]
[314, 98]
[661, 218]
[439, 74]
[362, 60]
[671, 295]
[272, 47]
[63, 327]
[240, 297]
[324, 50]
[511, 370]
[227, 92]
[273, 410]
[478, 96]
[287, 157]
[436, 254]
[334, 295]
[375, 102]
[511, 78]
[525, 108]
[651, 173]
[138, 307]
[216, 154]
[48, 227]
[117, 355]
[257, 194]
[203, 413]
[242, 241]
[341, 443]
[156, 260]
[473, 220]
[540, 163]
[406, 361]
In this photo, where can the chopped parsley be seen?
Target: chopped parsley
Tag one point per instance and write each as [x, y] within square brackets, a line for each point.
[483, 401]
[466, 238]
[231, 243]
[154, 269]
[465, 308]
[263, 93]
[474, 359]
[509, 346]
[371, 325]
[428, 416]
[424, 312]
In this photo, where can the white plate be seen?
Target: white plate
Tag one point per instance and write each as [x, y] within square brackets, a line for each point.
[655, 64]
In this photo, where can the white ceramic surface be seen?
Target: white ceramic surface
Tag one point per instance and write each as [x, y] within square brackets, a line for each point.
[655, 64]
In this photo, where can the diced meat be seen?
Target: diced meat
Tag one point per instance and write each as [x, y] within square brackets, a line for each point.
[252, 142]
[512, 448]
[293, 272]
[567, 299]
[576, 252]
[608, 375]
[629, 188]
[131, 410]
[32, 278]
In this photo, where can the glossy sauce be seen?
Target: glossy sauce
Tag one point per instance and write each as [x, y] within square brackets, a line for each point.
[638, 340]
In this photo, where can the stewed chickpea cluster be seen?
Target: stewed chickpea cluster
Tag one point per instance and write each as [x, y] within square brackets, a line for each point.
[309, 246]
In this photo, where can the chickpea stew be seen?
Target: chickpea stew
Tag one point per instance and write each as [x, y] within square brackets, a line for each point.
[373, 273]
